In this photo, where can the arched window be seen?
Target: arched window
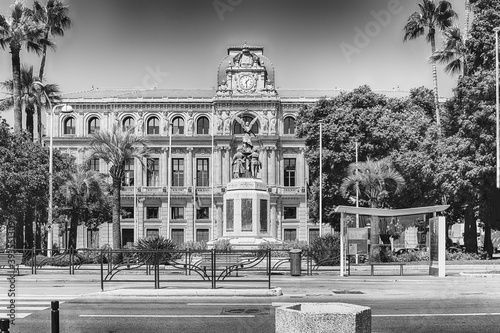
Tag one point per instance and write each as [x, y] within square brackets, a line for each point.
[237, 126]
[93, 125]
[202, 125]
[153, 126]
[69, 126]
[289, 126]
[128, 124]
[178, 125]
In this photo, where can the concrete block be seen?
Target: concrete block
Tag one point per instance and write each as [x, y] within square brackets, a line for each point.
[323, 317]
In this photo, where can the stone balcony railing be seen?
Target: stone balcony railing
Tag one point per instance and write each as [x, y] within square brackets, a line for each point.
[205, 190]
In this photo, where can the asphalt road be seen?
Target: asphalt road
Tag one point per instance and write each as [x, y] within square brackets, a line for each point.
[476, 312]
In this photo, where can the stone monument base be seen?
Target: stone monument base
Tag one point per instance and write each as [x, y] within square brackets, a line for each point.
[323, 317]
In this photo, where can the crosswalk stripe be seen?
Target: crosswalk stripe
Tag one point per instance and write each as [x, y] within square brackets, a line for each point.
[31, 308]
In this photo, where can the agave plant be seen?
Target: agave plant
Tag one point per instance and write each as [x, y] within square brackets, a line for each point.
[154, 249]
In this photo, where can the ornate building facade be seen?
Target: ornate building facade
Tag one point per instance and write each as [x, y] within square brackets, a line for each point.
[193, 135]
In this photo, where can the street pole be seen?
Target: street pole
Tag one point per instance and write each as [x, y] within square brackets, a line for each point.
[320, 178]
[497, 110]
[64, 108]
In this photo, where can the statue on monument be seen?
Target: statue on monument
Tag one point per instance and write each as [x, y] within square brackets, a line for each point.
[255, 162]
[247, 130]
[239, 164]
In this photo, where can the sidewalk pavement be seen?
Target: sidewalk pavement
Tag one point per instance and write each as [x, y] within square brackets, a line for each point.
[459, 279]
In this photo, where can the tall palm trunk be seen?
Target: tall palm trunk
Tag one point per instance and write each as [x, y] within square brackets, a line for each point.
[117, 185]
[470, 232]
[39, 123]
[44, 57]
[467, 16]
[435, 82]
[30, 111]
[375, 236]
[73, 231]
[16, 79]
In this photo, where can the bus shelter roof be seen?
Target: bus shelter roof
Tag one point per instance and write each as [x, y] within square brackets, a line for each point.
[390, 212]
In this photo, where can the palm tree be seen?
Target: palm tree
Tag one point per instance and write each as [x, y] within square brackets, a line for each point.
[83, 194]
[431, 17]
[54, 19]
[468, 7]
[453, 52]
[116, 147]
[18, 30]
[30, 100]
[375, 180]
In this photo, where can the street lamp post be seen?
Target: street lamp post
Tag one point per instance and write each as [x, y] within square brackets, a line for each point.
[497, 109]
[320, 178]
[64, 108]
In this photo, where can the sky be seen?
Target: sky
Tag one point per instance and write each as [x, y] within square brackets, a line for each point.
[313, 44]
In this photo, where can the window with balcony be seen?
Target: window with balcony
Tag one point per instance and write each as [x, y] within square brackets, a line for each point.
[289, 126]
[153, 126]
[290, 213]
[202, 172]
[128, 124]
[177, 213]
[128, 175]
[152, 213]
[289, 164]
[178, 126]
[152, 232]
[93, 125]
[177, 172]
[202, 125]
[202, 213]
[237, 126]
[69, 126]
[153, 173]
[127, 212]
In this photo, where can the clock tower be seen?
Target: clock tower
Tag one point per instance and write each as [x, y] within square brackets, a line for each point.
[246, 71]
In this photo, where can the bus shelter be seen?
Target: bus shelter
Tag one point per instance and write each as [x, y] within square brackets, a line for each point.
[354, 234]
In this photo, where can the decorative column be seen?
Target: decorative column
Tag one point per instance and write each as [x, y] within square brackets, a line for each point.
[225, 166]
[217, 165]
[140, 217]
[299, 180]
[264, 171]
[139, 173]
[189, 167]
[164, 167]
[164, 211]
[272, 169]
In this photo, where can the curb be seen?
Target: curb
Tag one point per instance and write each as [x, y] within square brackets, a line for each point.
[189, 292]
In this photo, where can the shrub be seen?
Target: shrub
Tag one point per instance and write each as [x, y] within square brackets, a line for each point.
[223, 246]
[409, 256]
[280, 249]
[462, 256]
[325, 250]
[194, 246]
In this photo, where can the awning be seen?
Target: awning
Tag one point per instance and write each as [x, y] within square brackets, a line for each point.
[390, 212]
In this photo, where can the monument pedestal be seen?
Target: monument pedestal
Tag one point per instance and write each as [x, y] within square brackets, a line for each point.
[246, 221]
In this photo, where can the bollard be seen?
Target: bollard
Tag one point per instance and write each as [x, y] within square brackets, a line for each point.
[54, 305]
[4, 325]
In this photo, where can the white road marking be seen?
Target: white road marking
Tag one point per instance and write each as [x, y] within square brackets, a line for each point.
[439, 314]
[168, 316]
[18, 315]
[228, 304]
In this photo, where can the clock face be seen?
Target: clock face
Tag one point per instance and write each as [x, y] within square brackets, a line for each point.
[246, 82]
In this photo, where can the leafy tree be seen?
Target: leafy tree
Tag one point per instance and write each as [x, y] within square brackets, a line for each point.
[115, 147]
[17, 30]
[383, 127]
[55, 20]
[84, 200]
[431, 16]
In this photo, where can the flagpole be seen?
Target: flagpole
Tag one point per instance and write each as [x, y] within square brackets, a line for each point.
[320, 178]
[212, 208]
[194, 205]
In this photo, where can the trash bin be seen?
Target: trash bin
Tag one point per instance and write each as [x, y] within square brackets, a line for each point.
[295, 262]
